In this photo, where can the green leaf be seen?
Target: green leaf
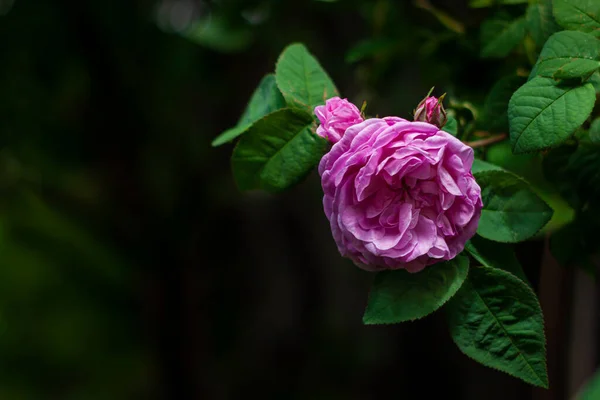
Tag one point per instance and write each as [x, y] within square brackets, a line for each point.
[529, 167]
[540, 21]
[591, 390]
[277, 152]
[578, 15]
[499, 36]
[543, 114]
[451, 126]
[398, 296]
[481, 166]
[496, 255]
[495, 109]
[265, 99]
[594, 134]
[576, 69]
[301, 79]
[595, 81]
[496, 319]
[569, 54]
[511, 211]
[230, 134]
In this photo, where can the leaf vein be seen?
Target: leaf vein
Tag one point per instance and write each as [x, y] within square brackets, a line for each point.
[509, 337]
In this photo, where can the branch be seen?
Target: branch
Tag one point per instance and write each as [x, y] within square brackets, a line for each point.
[487, 141]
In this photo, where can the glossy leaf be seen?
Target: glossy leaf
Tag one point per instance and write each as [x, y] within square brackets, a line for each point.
[511, 211]
[230, 135]
[265, 99]
[496, 319]
[595, 81]
[543, 114]
[398, 296]
[578, 15]
[576, 69]
[301, 79]
[569, 54]
[277, 152]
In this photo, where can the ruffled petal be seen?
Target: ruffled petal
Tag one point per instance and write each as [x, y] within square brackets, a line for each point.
[398, 194]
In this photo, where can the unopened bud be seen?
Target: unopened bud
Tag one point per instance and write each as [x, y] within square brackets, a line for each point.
[431, 110]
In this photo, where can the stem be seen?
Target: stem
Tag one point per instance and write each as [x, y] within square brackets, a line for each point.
[445, 19]
[487, 141]
[481, 134]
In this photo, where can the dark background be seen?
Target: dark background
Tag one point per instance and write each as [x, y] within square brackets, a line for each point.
[130, 265]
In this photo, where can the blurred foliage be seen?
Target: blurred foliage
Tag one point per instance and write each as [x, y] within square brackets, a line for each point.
[121, 229]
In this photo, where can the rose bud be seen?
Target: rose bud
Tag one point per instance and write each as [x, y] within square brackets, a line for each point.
[336, 116]
[431, 110]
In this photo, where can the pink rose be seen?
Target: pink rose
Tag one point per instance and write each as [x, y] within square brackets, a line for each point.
[399, 194]
[431, 110]
[336, 116]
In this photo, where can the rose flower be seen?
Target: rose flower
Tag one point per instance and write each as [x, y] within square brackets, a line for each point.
[399, 194]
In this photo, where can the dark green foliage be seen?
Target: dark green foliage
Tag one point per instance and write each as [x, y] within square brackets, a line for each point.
[399, 296]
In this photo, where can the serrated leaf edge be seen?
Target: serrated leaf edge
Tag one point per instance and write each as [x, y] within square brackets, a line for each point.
[299, 105]
[544, 385]
[294, 110]
[557, 144]
[249, 124]
[423, 316]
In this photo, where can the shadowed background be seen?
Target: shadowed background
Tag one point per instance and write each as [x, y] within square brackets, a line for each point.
[132, 268]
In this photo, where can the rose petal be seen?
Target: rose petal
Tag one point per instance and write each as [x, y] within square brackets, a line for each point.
[398, 194]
